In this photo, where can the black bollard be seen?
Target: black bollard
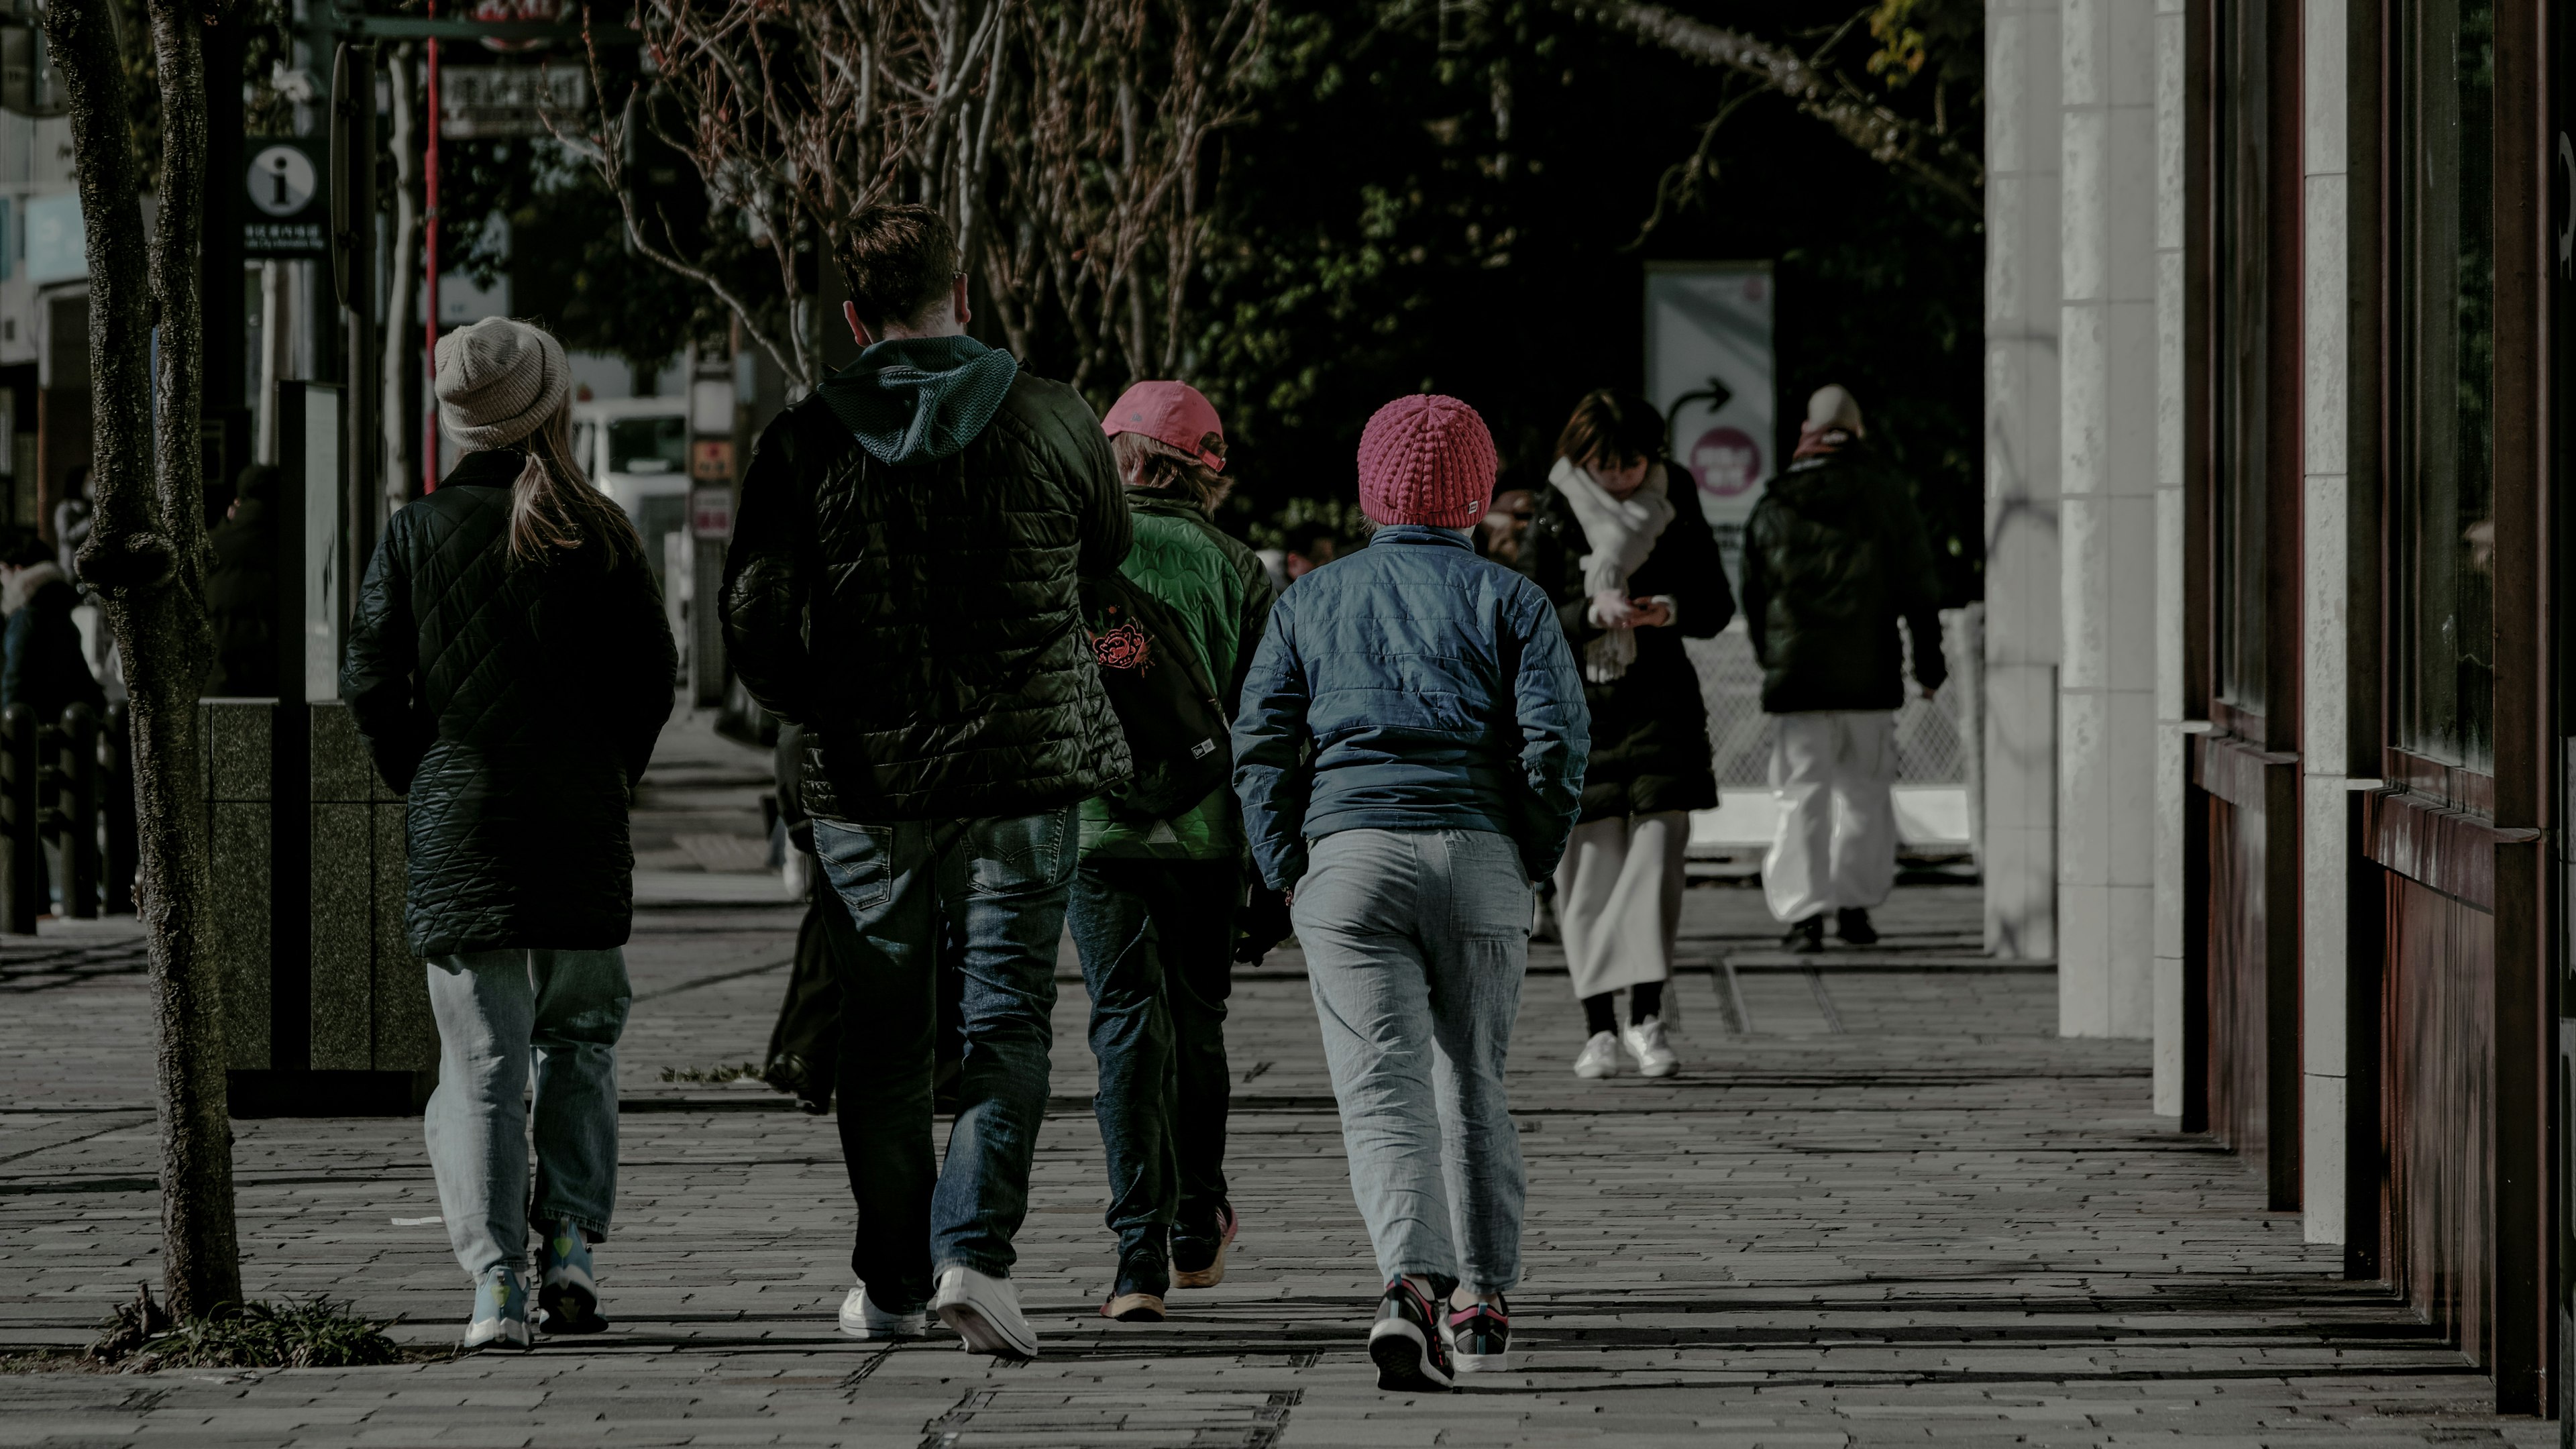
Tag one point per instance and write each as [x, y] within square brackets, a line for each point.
[116, 805]
[22, 876]
[80, 812]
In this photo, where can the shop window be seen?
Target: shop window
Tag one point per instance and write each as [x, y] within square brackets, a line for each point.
[2239, 520]
[2442, 334]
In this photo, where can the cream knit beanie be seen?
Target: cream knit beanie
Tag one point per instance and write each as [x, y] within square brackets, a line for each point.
[498, 381]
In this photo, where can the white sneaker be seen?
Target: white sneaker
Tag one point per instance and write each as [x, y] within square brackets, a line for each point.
[1599, 1058]
[862, 1319]
[1645, 1042]
[985, 1311]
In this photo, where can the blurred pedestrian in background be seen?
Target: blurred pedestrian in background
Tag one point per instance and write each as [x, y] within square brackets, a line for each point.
[1500, 533]
[72, 521]
[1154, 905]
[1834, 558]
[1310, 546]
[904, 582]
[241, 590]
[1624, 552]
[41, 663]
[1410, 756]
[510, 668]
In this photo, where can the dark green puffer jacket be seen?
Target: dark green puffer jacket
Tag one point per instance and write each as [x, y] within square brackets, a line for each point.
[902, 583]
[1219, 586]
[1834, 556]
[515, 706]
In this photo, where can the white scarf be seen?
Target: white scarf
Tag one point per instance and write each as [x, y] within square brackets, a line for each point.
[1622, 531]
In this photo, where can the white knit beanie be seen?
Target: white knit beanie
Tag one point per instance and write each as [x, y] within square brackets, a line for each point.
[1833, 406]
[498, 381]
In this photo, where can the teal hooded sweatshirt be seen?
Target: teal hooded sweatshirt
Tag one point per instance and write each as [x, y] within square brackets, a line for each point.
[920, 399]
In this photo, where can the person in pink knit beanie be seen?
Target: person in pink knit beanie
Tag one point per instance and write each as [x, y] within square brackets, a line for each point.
[1410, 755]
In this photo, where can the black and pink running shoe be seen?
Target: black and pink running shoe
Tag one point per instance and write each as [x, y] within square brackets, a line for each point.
[1406, 1343]
[1480, 1338]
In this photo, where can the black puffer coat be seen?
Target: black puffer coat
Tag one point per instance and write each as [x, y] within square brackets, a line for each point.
[241, 602]
[1833, 557]
[516, 707]
[922, 620]
[1650, 748]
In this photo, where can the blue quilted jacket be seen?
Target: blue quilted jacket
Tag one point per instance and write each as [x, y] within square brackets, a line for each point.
[1411, 686]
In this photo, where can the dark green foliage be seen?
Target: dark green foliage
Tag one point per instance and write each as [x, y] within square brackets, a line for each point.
[1462, 214]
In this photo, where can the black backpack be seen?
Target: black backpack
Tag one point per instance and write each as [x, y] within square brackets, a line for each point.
[1176, 730]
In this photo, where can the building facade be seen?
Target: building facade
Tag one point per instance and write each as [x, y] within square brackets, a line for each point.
[2277, 416]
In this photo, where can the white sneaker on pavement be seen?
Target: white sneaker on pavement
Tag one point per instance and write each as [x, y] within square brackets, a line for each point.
[863, 1319]
[1645, 1042]
[1599, 1057]
[985, 1311]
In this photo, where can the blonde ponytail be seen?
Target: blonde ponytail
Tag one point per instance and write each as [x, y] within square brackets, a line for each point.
[554, 509]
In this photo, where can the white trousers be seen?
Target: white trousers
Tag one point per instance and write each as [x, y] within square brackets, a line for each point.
[1619, 899]
[1832, 771]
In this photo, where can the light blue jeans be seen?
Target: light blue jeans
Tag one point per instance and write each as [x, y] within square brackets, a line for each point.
[1415, 943]
[496, 1010]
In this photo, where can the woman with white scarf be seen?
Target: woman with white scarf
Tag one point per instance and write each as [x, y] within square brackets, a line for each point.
[1620, 543]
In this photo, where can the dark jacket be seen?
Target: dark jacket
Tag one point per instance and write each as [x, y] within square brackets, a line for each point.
[516, 705]
[1650, 749]
[241, 603]
[1833, 557]
[42, 665]
[1410, 686]
[918, 612]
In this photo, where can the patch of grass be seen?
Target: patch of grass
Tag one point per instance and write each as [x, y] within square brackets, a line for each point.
[312, 1333]
[49, 1361]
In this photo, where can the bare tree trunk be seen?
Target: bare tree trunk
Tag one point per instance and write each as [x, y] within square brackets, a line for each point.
[146, 553]
[402, 467]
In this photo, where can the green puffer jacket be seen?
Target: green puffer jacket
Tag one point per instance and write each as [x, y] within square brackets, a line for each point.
[1220, 586]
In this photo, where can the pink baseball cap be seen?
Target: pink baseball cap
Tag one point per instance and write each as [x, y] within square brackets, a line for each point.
[1168, 412]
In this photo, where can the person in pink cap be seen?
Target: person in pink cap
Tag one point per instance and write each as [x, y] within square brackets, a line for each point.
[1156, 894]
[1410, 756]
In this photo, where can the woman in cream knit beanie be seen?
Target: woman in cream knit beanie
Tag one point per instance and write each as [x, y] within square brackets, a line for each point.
[510, 669]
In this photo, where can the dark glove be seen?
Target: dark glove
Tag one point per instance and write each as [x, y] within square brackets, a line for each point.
[1264, 924]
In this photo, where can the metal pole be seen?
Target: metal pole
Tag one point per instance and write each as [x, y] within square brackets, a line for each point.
[23, 879]
[80, 812]
[353, 213]
[116, 802]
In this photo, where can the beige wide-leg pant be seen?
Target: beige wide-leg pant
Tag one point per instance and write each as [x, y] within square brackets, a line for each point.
[1832, 772]
[1619, 899]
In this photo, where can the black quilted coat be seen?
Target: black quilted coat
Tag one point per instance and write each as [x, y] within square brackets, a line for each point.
[516, 707]
[922, 619]
[1834, 556]
[1650, 749]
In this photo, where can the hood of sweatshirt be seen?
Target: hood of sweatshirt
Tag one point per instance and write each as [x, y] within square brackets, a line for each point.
[918, 399]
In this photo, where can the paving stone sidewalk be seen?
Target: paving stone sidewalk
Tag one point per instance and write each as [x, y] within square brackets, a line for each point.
[1884, 1204]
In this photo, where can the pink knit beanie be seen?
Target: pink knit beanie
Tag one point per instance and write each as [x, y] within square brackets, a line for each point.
[1426, 459]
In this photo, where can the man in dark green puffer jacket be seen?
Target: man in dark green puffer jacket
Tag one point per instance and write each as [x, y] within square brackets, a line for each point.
[903, 583]
[1153, 913]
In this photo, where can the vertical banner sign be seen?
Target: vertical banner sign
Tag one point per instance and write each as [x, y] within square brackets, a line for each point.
[1708, 367]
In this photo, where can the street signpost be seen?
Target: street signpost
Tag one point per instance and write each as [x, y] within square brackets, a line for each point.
[1708, 366]
[286, 183]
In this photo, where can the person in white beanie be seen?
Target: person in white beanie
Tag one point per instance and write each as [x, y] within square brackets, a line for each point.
[510, 669]
[1835, 556]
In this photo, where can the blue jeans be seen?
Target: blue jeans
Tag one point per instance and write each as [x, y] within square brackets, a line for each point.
[496, 1010]
[1415, 944]
[1157, 944]
[1001, 882]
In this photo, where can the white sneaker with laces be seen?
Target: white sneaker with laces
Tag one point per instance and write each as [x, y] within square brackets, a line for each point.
[1599, 1057]
[863, 1319]
[985, 1311]
[1645, 1042]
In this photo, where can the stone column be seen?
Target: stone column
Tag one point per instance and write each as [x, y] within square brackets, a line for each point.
[2172, 758]
[2106, 742]
[2021, 457]
[2326, 228]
